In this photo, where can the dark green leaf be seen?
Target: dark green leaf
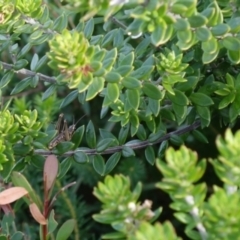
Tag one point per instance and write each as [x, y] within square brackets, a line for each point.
[80, 157]
[64, 167]
[99, 164]
[112, 162]
[150, 155]
[151, 90]
[176, 140]
[49, 92]
[104, 144]
[63, 147]
[199, 136]
[6, 79]
[127, 151]
[20, 86]
[77, 136]
[69, 98]
[90, 135]
[34, 62]
[21, 149]
[201, 99]
[123, 134]
[179, 98]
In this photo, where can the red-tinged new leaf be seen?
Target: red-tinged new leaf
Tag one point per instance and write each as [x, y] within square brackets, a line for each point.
[12, 194]
[50, 171]
[37, 215]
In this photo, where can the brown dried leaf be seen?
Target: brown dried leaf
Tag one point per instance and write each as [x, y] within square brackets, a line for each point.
[50, 171]
[12, 194]
[37, 215]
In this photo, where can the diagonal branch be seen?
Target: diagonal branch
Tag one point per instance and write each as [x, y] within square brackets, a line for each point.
[28, 73]
[133, 146]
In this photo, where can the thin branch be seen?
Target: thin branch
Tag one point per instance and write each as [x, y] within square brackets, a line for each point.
[29, 73]
[134, 146]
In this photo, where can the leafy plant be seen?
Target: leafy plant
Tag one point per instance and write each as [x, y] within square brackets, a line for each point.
[148, 75]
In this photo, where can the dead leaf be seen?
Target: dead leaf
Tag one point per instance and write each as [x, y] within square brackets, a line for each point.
[37, 215]
[12, 194]
[50, 171]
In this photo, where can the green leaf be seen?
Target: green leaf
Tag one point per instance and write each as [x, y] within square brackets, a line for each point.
[199, 136]
[154, 106]
[64, 167]
[24, 50]
[205, 114]
[114, 235]
[220, 29]
[20, 64]
[113, 91]
[159, 33]
[41, 63]
[134, 123]
[143, 72]
[21, 149]
[91, 135]
[231, 43]
[127, 151]
[151, 90]
[49, 92]
[124, 70]
[123, 134]
[7, 77]
[201, 99]
[234, 56]
[69, 98]
[65, 230]
[162, 149]
[210, 46]
[112, 162]
[113, 77]
[176, 140]
[197, 20]
[179, 98]
[209, 57]
[95, 87]
[103, 144]
[99, 164]
[131, 83]
[77, 136]
[181, 25]
[80, 157]
[227, 100]
[63, 147]
[127, 60]
[203, 34]
[133, 97]
[34, 62]
[60, 23]
[52, 223]
[19, 180]
[150, 155]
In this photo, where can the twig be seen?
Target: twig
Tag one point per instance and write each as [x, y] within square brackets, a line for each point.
[133, 146]
[29, 73]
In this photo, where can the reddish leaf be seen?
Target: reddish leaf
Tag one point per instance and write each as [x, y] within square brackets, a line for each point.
[12, 194]
[50, 171]
[37, 215]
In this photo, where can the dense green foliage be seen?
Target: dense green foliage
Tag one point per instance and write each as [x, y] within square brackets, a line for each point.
[146, 75]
